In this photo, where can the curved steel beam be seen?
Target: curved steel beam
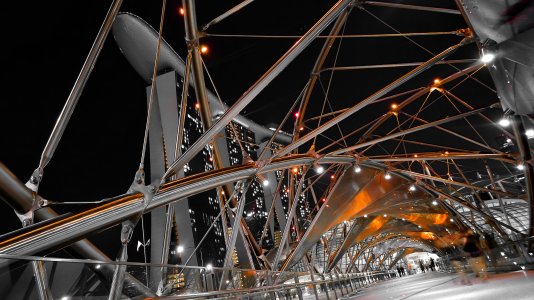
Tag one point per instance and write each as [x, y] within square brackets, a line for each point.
[388, 88]
[357, 227]
[259, 85]
[412, 130]
[22, 200]
[317, 68]
[72, 228]
[382, 240]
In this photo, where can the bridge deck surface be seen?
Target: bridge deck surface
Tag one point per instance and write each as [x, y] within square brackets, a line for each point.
[441, 286]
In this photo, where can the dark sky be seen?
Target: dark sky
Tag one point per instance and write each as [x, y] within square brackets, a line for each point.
[46, 43]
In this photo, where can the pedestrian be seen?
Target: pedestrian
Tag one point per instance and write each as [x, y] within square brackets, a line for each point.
[432, 264]
[489, 245]
[422, 266]
[474, 254]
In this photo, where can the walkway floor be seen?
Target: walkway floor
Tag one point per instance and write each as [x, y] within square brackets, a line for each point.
[439, 286]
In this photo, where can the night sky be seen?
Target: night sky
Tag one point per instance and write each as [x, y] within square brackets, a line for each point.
[45, 47]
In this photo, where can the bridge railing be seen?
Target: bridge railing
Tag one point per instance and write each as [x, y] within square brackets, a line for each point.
[67, 279]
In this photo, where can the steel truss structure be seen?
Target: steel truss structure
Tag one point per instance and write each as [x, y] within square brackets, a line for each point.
[390, 174]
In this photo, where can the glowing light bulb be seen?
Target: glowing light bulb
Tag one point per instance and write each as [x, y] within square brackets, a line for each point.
[434, 202]
[265, 182]
[204, 49]
[387, 176]
[504, 122]
[529, 133]
[181, 11]
[487, 57]
[179, 249]
[357, 169]
[319, 169]
[520, 166]
[412, 188]
[394, 106]
[437, 81]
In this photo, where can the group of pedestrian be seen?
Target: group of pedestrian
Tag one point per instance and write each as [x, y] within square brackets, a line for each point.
[401, 271]
[431, 266]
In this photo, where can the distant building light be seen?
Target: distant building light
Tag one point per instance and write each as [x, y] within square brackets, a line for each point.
[319, 169]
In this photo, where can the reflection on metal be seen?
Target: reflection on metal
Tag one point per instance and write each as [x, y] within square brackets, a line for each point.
[332, 212]
[41, 280]
[368, 192]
